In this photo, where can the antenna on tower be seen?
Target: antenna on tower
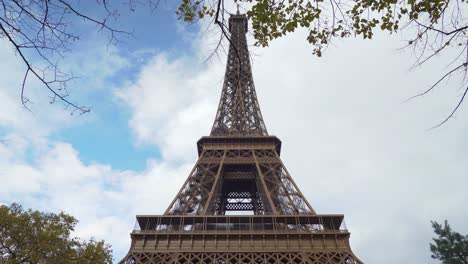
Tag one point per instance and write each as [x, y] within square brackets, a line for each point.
[238, 13]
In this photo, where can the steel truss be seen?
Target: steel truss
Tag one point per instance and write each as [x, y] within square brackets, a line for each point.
[274, 191]
[244, 258]
[239, 169]
[241, 239]
[238, 111]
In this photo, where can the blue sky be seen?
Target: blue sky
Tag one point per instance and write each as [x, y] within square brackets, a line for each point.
[349, 140]
[152, 31]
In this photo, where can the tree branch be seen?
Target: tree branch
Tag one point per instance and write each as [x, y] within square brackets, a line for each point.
[40, 78]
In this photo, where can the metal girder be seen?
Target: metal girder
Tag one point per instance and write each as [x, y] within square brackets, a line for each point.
[273, 189]
[238, 110]
[239, 169]
[332, 257]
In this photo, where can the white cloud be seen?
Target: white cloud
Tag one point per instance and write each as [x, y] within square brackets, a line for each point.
[105, 201]
[47, 175]
[172, 104]
[358, 150]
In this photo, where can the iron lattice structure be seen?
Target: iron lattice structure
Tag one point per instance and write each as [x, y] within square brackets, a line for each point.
[239, 203]
[238, 111]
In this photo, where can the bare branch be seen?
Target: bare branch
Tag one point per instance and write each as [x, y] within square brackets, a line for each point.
[437, 83]
[24, 100]
[41, 32]
[454, 110]
[39, 77]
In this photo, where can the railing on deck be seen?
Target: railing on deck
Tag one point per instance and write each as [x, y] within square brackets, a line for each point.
[166, 224]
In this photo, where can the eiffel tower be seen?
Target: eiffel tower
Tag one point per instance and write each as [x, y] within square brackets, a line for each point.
[239, 203]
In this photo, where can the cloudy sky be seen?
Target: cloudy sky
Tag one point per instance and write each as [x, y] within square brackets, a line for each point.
[350, 141]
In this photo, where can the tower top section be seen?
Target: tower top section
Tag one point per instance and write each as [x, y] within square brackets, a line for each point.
[238, 18]
[238, 111]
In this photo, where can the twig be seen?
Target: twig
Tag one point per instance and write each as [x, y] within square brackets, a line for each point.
[454, 110]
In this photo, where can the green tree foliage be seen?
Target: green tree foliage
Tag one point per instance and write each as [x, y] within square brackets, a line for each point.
[28, 236]
[432, 26]
[326, 19]
[450, 247]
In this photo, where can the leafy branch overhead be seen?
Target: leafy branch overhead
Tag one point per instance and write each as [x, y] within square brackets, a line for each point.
[435, 26]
